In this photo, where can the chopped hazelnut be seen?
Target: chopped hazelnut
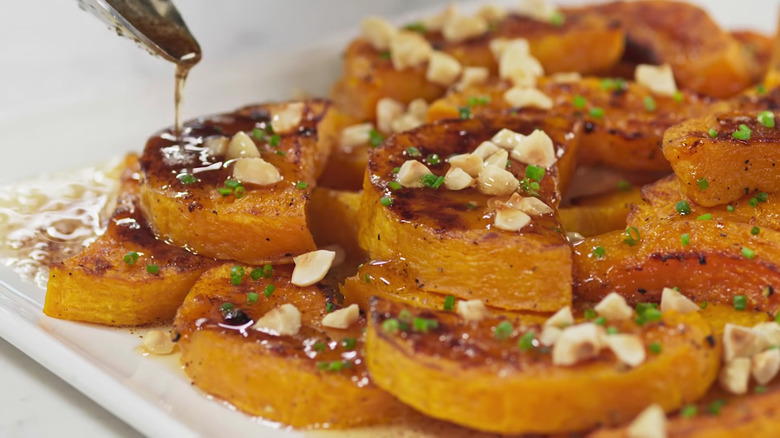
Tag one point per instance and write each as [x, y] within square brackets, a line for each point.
[537, 149]
[520, 97]
[735, 375]
[509, 219]
[741, 341]
[472, 310]
[457, 179]
[462, 27]
[288, 118]
[672, 299]
[629, 349]
[561, 318]
[412, 173]
[409, 49]
[284, 320]
[241, 145]
[443, 69]
[342, 318]
[614, 308]
[355, 135]
[765, 365]
[495, 180]
[256, 171]
[650, 423]
[312, 267]
[658, 78]
[470, 163]
[377, 32]
[577, 343]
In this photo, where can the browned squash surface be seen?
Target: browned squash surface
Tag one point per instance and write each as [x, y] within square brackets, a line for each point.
[278, 377]
[502, 389]
[591, 43]
[262, 224]
[447, 239]
[759, 47]
[624, 122]
[98, 286]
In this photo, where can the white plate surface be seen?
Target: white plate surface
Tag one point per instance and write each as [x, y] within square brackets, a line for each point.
[87, 104]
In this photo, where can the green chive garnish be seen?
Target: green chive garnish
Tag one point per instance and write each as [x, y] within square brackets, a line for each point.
[449, 302]
[131, 257]
[152, 269]
[740, 302]
[386, 201]
[766, 118]
[703, 184]
[632, 236]
[269, 290]
[252, 297]
[748, 253]
[503, 330]
[682, 207]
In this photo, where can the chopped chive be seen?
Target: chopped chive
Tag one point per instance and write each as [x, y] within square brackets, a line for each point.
[682, 207]
[186, 178]
[503, 330]
[252, 297]
[367, 277]
[433, 159]
[391, 325]
[712, 133]
[703, 184]
[269, 290]
[470, 206]
[258, 134]
[239, 192]
[649, 103]
[274, 140]
[464, 112]
[478, 100]
[624, 186]
[715, 407]
[416, 27]
[655, 347]
[282, 153]
[730, 208]
[232, 183]
[152, 269]
[375, 138]
[590, 314]
[579, 102]
[596, 112]
[405, 315]
[300, 185]
[423, 325]
[432, 181]
[226, 306]
[743, 133]
[678, 96]
[394, 185]
[413, 151]
[600, 320]
[224, 191]
[689, 411]
[705, 217]
[612, 330]
[766, 118]
[386, 201]
[753, 202]
[748, 253]
[759, 389]
[329, 307]
[762, 196]
[558, 19]
[449, 302]
[256, 274]
[268, 270]
[761, 89]
[348, 343]
[526, 342]
[534, 172]
[755, 230]
[384, 55]
[685, 239]
[319, 347]
[703, 305]
[598, 252]
[131, 257]
[632, 236]
[236, 274]
[740, 302]
[396, 169]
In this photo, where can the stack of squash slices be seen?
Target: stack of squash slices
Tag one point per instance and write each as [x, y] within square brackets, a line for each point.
[191, 242]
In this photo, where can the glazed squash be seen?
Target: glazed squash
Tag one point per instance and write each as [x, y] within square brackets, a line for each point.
[447, 239]
[280, 378]
[259, 223]
[98, 285]
[503, 389]
[599, 214]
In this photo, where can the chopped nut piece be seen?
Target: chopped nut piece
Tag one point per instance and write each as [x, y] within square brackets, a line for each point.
[256, 171]
[629, 349]
[494, 180]
[284, 320]
[355, 135]
[509, 219]
[577, 343]
[539, 10]
[462, 27]
[536, 149]
[486, 149]
[457, 179]
[288, 118]
[492, 13]
[473, 310]
[564, 78]
[472, 76]
[527, 98]
[437, 21]
[765, 365]
[470, 163]
[412, 173]
[378, 32]
[387, 111]
[519, 67]
[533, 206]
[498, 159]
[241, 145]
[406, 122]
[561, 318]
[741, 341]
[342, 318]
[158, 342]
[614, 308]
[672, 299]
[311, 267]
[443, 69]
[550, 335]
[498, 45]
[507, 139]
[658, 78]
[409, 49]
[650, 423]
[217, 145]
[735, 375]
[419, 109]
[770, 330]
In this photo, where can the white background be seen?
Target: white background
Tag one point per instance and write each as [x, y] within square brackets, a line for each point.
[73, 94]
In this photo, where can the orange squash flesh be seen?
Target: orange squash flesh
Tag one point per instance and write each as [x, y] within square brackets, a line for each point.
[502, 389]
[599, 214]
[446, 239]
[266, 223]
[98, 286]
[278, 377]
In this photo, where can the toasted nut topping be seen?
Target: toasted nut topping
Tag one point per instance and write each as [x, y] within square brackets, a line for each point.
[614, 308]
[284, 320]
[539, 10]
[536, 149]
[509, 219]
[442, 69]
[412, 173]
[256, 171]
[288, 118]
[527, 98]
[409, 49]
[457, 179]
[550, 335]
[765, 365]
[564, 78]
[472, 76]
[518, 66]
[577, 343]
[241, 145]
[486, 149]
[658, 78]
[387, 111]
[741, 341]
[473, 310]
[355, 135]
[437, 21]
[311, 267]
[498, 159]
[461, 27]
[735, 375]
[158, 342]
[533, 206]
[217, 145]
[419, 109]
[406, 122]
[498, 45]
[507, 138]
[494, 180]
[629, 349]
[770, 330]
[492, 12]
[561, 318]
[673, 300]
[342, 318]
[378, 32]
[470, 163]
[650, 423]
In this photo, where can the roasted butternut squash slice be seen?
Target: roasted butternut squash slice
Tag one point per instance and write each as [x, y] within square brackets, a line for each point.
[591, 43]
[599, 214]
[430, 358]
[759, 47]
[315, 378]
[705, 58]
[126, 277]
[733, 153]
[624, 122]
[447, 239]
[192, 198]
